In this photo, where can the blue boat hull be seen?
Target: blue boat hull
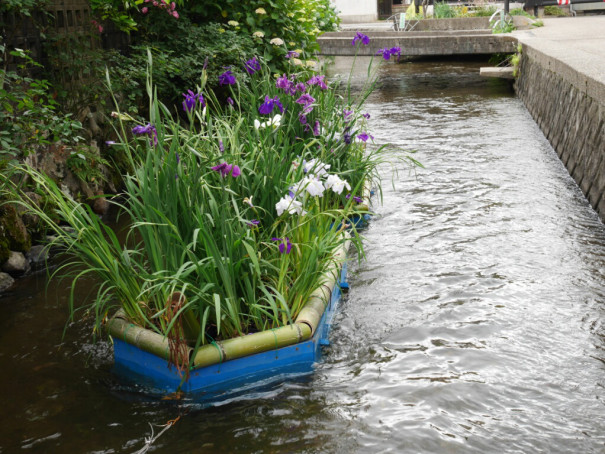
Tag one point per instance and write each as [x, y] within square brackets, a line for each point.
[224, 379]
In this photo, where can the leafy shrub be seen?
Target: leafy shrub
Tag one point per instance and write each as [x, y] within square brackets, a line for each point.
[276, 25]
[521, 12]
[505, 26]
[74, 64]
[24, 7]
[553, 10]
[28, 112]
[484, 11]
[444, 10]
[179, 55]
[86, 164]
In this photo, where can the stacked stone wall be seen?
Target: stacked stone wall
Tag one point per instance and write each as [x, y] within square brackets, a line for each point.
[570, 110]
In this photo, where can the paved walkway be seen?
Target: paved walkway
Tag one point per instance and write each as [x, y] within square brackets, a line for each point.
[576, 42]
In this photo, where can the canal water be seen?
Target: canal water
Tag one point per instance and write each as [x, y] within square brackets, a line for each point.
[474, 325]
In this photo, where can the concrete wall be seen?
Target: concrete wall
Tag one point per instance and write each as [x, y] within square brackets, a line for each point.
[352, 11]
[421, 43]
[569, 107]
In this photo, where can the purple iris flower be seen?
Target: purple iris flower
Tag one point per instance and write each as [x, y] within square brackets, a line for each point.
[230, 101]
[190, 100]
[178, 158]
[283, 82]
[253, 223]
[292, 53]
[386, 53]
[109, 143]
[305, 100]
[299, 87]
[267, 107]
[395, 51]
[316, 128]
[347, 115]
[205, 64]
[285, 246]
[221, 147]
[227, 78]
[355, 198]
[225, 169]
[149, 130]
[366, 116]
[365, 40]
[364, 136]
[347, 137]
[252, 66]
[302, 118]
[318, 80]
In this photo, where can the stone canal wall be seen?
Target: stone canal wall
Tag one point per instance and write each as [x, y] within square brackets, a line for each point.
[569, 106]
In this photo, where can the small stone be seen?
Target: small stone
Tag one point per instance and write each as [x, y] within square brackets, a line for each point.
[100, 206]
[51, 238]
[16, 265]
[6, 282]
[37, 256]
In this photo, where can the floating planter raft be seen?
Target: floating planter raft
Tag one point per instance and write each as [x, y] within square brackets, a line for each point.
[224, 367]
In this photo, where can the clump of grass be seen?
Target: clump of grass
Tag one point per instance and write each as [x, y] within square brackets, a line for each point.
[521, 12]
[442, 10]
[484, 11]
[553, 10]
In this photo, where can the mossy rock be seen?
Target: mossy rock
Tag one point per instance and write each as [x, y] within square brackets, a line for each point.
[4, 246]
[13, 230]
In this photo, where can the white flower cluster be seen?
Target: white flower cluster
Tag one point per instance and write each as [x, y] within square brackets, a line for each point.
[312, 184]
[274, 122]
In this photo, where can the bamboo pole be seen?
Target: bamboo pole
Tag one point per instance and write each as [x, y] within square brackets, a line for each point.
[219, 352]
[145, 339]
[314, 309]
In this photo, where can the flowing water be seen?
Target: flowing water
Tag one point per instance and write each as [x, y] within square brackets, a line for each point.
[475, 324]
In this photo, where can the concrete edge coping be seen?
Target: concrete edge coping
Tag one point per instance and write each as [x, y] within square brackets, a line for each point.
[585, 83]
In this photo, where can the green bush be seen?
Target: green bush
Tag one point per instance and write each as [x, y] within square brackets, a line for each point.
[179, 55]
[521, 12]
[74, 65]
[554, 10]
[28, 112]
[444, 11]
[484, 11]
[23, 7]
[276, 25]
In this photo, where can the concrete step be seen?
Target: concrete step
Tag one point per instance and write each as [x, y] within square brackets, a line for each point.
[502, 72]
[375, 33]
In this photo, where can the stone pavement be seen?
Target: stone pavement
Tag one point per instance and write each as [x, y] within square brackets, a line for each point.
[575, 48]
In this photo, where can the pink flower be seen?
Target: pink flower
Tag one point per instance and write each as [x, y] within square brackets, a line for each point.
[175, 14]
[144, 10]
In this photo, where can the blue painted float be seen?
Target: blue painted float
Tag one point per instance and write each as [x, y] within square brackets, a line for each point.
[222, 380]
